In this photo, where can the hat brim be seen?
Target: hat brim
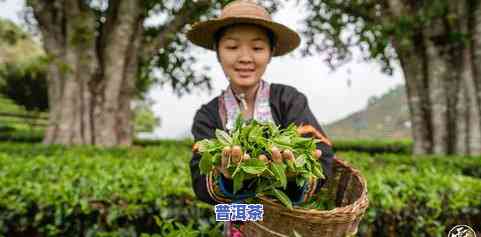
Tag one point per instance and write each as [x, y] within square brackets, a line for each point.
[203, 33]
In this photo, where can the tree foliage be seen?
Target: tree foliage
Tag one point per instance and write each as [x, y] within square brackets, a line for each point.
[145, 119]
[166, 55]
[438, 45]
[23, 68]
[25, 84]
[339, 27]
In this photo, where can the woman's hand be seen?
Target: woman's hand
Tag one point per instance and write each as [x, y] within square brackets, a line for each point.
[236, 155]
[287, 156]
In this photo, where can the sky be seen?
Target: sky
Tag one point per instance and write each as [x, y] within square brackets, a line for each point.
[329, 96]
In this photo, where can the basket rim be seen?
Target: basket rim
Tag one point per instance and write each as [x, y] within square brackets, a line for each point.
[359, 206]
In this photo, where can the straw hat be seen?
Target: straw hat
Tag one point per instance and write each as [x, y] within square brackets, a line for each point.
[247, 12]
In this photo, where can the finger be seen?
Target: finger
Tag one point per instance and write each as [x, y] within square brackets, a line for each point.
[263, 158]
[236, 154]
[246, 157]
[224, 161]
[287, 155]
[318, 154]
[276, 155]
[226, 152]
[223, 166]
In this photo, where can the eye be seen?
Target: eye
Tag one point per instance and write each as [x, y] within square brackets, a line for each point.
[231, 47]
[258, 48]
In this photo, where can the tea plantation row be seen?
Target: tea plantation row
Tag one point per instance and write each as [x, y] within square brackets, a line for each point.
[368, 146]
[146, 191]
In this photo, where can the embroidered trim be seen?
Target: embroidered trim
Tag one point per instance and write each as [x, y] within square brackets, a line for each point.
[229, 107]
[222, 112]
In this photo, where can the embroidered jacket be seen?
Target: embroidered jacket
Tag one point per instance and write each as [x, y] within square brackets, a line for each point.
[288, 105]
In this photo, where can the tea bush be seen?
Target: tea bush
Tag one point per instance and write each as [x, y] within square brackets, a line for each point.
[419, 195]
[146, 191]
[58, 191]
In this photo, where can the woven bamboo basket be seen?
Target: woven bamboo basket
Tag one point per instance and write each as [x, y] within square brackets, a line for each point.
[347, 188]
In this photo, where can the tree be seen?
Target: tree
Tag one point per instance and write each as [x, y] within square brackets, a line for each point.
[23, 78]
[101, 51]
[438, 45]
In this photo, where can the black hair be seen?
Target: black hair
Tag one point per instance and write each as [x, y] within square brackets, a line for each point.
[219, 33]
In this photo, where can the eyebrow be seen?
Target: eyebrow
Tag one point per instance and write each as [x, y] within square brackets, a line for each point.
[233, 38]
[258, 39]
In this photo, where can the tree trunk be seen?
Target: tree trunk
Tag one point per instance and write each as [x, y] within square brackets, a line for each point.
[443, 82]
[119, 67]
[412, 62]
[95, 63]
[91, 76]
[437, 74]
[474, 53]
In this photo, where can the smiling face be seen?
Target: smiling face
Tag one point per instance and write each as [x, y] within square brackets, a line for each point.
[244, 52]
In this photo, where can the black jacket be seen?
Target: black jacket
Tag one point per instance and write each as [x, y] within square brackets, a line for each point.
[288, 105]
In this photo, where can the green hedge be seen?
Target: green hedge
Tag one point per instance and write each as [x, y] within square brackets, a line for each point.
[87, 191]
[374, 146]
[419, 195]
[57, 191]
[25, 136]
[368, 146]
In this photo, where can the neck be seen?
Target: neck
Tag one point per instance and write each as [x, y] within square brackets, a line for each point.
[250, 93]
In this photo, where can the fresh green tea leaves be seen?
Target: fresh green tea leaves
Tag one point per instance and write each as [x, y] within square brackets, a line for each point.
[238, 123]
[279, 171]
[300, 181]
[237, 169]
[256, 138]
[317, 172]
[205, 163]
[253, 166]
[281, 196]
[223, 137]
[255, 134]
[300, 161]
[238, 181]
[211, 146]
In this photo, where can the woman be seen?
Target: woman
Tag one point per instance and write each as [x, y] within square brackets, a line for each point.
[245, 39]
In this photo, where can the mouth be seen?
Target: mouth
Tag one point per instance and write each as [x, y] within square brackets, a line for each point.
[244, 72]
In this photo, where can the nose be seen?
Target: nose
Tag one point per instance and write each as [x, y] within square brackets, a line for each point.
[245, 55]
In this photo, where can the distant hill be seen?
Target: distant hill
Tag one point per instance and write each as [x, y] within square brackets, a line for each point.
[386, 117]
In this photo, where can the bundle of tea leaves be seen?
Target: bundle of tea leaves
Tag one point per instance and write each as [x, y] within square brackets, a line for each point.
[261, 145]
